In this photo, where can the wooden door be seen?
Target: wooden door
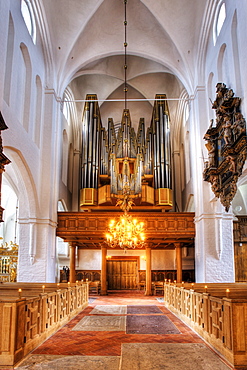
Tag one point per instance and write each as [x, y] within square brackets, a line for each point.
[122, 274]
[240, 262]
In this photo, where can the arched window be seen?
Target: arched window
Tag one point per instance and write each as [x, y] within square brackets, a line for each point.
[8, 228]
[219, 20]
[69, 109]
[186, 112]
[28, 16]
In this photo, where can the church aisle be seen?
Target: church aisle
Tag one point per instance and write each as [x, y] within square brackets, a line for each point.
[124, 330]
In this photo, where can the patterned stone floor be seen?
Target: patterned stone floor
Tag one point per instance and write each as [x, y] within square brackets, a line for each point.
[106, 349]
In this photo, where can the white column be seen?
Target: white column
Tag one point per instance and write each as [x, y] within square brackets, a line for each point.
[214, 249]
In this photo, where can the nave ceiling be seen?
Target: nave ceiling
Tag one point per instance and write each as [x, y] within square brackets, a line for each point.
[86, 42]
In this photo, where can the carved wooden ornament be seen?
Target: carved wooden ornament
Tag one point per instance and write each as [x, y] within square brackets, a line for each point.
[226, 145]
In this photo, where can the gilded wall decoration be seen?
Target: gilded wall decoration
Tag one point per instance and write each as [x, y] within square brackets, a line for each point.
[226, 145]
[8, 261]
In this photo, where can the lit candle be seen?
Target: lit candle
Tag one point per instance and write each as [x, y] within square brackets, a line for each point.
[82, 280]
[182, 282]
[19, 291]
[76, 282]
[175, 281]
[43, 287]
[169, 281]
[205, 288]
[68, 283]
[86, 280]
[58, 284]
[165, 280]
[227, 292]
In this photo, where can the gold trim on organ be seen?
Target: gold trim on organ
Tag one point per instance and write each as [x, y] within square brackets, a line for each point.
[88, 196]
[163, 197]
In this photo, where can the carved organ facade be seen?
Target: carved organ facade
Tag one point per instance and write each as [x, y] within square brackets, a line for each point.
[116, 163]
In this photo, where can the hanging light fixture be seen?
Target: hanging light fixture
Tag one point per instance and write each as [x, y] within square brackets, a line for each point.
[126, 233]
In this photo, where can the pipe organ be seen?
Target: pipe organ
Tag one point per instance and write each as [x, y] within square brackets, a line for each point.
[116, 162]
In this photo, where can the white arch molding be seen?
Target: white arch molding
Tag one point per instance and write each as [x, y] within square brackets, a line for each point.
[36, 233]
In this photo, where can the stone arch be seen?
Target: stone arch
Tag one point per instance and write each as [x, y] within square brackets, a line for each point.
[20, 179]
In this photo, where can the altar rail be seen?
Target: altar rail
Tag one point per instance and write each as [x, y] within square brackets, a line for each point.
[217, 315]
[28, 317]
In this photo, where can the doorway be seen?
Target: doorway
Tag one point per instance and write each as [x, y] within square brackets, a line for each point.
[122, 274]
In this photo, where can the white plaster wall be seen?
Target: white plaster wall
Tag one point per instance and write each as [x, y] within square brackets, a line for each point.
[89, 259]
[132, 252]
[163, 260]
[214, 253]
[160, 259]
[33, 173]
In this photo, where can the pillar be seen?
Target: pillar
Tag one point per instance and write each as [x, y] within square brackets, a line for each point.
[72, 262]
[148, 271]
[178, 247]
[103, 271]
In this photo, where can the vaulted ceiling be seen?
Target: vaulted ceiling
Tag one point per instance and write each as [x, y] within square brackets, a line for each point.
[87, 37]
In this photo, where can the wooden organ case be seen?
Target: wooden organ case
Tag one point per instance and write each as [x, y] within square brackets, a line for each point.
[112, 161]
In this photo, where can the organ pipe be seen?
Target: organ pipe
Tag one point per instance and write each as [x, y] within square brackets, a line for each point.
[126, 157]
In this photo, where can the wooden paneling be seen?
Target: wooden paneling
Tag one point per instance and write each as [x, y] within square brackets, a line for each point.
[27, 321]
[240, 248]
[147, 194]
[163, 196]
[104, 194]
[88, 196]
[122, 274]
[88, 229]
[240, 254]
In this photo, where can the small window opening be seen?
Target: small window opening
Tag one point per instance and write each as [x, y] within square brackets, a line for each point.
[221, 19]
[28, 16]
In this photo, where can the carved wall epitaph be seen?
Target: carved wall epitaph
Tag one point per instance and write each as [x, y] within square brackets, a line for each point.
[226, 145]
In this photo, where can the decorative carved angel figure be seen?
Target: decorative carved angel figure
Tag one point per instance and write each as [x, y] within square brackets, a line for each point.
[232, 164]
[239, 125]
[215, 185]
[227, 131]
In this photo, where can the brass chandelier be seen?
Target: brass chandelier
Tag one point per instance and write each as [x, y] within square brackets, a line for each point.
[127, 233]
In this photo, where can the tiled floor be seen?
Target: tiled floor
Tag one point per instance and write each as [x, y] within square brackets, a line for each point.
[109, 343]
[68, 342]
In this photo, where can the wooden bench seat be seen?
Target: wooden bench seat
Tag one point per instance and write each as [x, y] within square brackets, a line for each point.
[158, 287]
[94, 287]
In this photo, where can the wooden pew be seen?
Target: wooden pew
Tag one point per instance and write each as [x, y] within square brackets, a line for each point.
[94, 287]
